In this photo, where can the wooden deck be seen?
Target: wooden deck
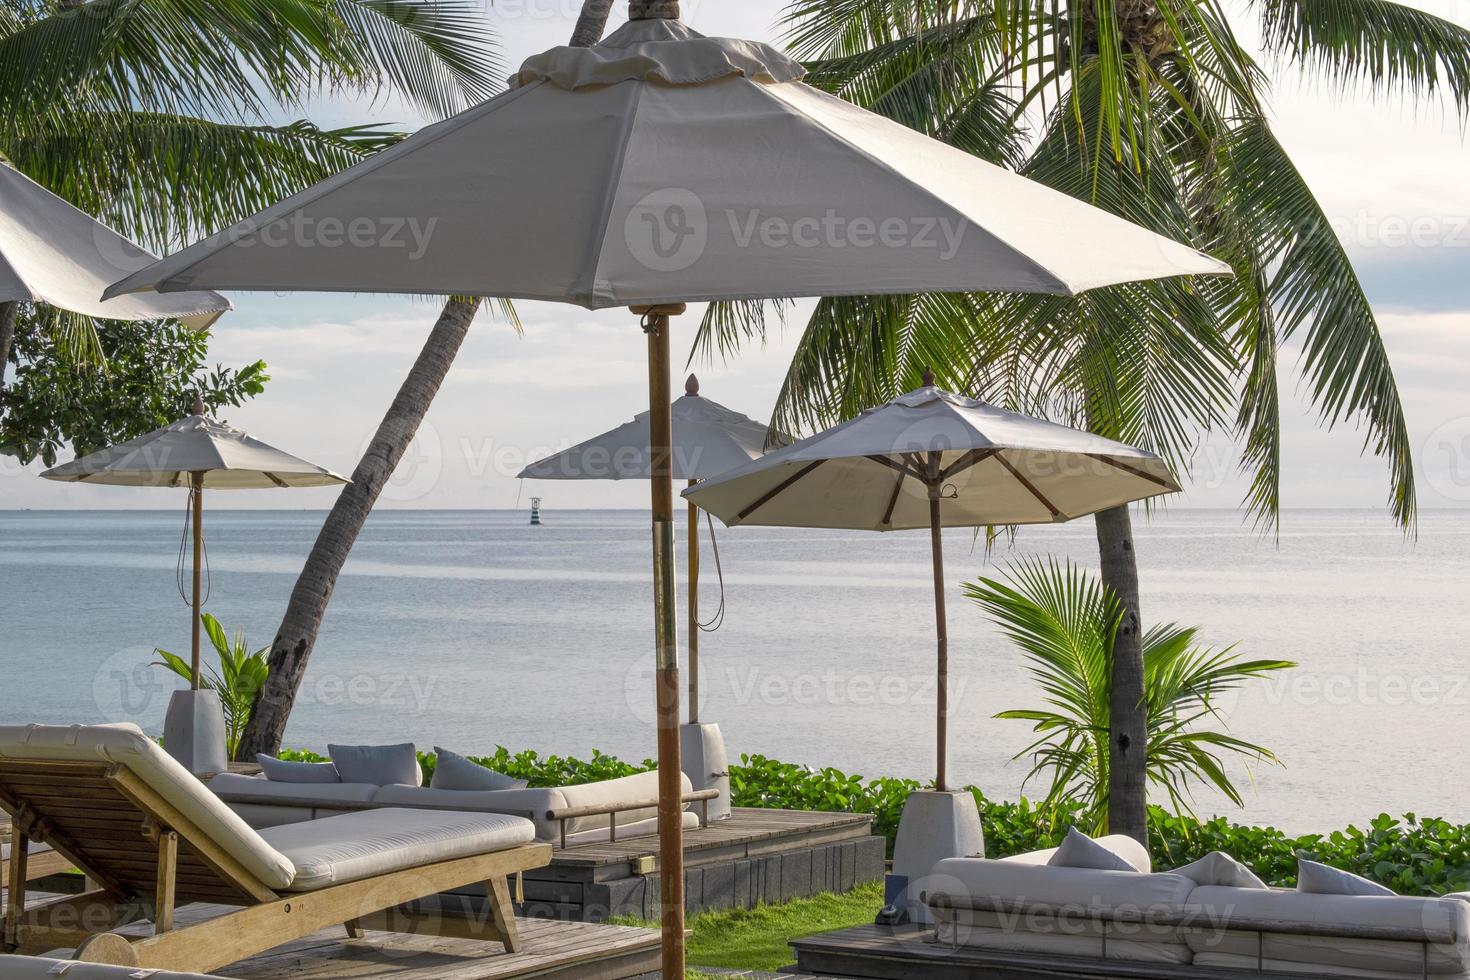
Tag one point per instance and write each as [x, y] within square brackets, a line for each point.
[754, 856]
[551, 950]
[910, 953]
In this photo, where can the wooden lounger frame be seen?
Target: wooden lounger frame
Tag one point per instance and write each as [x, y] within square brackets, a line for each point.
[39, 864]
[146, 858]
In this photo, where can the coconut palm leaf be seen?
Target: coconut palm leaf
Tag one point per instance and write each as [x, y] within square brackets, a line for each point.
[1062, 619]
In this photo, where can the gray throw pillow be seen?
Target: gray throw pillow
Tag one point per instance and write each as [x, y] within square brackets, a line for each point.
[1219, 868]
[381, 765]
[1320, 879]
[454, 771]
[1080, 851]
[282, 771]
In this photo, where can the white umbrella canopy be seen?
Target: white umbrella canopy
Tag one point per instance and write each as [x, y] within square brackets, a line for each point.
[709, 439]
[933, 459]
[52, 253]
[199, 453]
[659, 168]
[219, 455]
[873, 472]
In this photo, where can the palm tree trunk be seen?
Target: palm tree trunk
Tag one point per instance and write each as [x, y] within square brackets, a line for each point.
[313, 589]
[1127, 776]
[318, 577]
[9, 311]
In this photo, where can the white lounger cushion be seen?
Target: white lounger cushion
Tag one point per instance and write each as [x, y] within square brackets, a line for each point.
[39, 968]
[335, 850]
[1429, 918]
[127, 746]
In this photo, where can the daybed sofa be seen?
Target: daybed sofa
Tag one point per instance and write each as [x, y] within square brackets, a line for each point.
[1211, 918]
[566, 815]
[151, 838]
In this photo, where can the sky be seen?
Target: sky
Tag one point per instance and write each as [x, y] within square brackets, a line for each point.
[1393, 175]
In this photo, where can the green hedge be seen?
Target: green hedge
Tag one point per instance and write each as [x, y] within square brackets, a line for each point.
[1411, 855]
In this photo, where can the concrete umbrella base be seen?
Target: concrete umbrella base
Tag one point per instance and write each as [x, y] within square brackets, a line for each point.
[194, 732]
[705, 762]
[934, 826]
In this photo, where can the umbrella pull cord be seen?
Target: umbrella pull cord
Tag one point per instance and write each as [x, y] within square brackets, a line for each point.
[719, 617]
[181, 573]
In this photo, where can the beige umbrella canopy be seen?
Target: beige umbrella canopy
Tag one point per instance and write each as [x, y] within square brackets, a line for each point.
[200, 453]
[657, 168]
[932, 459]
[52, 253]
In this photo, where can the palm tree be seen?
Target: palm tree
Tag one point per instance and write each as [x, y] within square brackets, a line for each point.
[1063, 621]
[1151, 109]
[154, 115]
[313, 589]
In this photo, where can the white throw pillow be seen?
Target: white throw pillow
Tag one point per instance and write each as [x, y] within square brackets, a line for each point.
[454, 771]
[1080, 851]
[1320, 879]
[381, 765]
[1219, 868]
[282, 771]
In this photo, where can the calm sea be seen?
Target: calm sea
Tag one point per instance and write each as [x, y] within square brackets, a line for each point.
[472, 629]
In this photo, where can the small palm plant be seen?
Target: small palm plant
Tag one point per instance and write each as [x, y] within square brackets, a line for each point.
[1063, 619]
[240, 675]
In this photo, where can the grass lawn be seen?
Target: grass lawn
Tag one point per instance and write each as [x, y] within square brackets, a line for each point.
[756, 938]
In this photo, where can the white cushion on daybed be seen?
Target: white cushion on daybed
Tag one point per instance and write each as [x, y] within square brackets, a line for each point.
[1122, 845]
[259, 787]
[531, 803]
[1054, 886]
[334, 850]
[126, 745]
[1425, 918]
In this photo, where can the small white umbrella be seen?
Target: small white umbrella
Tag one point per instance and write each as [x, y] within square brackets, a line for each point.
[657, 168]
[932, 459]
[708, 439]
[52, 253]
[200, 453]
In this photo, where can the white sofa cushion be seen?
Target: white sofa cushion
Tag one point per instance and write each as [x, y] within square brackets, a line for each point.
[1046, 885]
[610, 792]
[1118, 853]
[454, 771]
[1445, 923]
[1120, 844]
[1219, 868]
[236, 785]
[532, 803]
[285, 771]
[126, 745]
[334, 850]
[382, 765]
[1322, 879]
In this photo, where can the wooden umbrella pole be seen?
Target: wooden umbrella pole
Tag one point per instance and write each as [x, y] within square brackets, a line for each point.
[198, 493]
[666, 637]
[693, 610]
[936, 546]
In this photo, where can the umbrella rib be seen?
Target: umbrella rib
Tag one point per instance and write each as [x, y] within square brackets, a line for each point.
[1141, 474]
[895, 465]
[972, 458]
[767, 497]
[274, 479]
[1029, 486]
[893, 498]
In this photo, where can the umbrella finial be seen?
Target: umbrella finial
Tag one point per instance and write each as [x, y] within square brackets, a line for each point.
[198, 404]
[653, 10]
[928, 377]
[691, 386]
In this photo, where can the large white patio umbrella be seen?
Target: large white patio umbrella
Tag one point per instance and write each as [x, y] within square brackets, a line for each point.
[932, 459]
[199, 453]
[708, 439]
[654, 169]
[52, 253]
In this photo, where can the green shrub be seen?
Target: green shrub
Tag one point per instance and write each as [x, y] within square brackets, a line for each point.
[1412, 855]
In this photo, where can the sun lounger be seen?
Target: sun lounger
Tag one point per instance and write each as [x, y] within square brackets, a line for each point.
[153, 838]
